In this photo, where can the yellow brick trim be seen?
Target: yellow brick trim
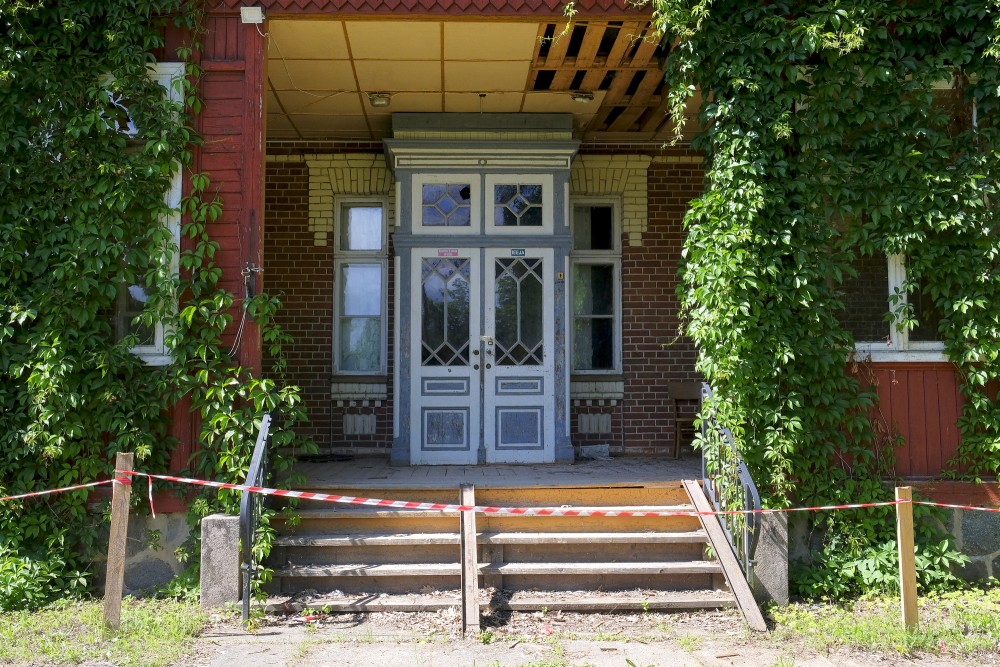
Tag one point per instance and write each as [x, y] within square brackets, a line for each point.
[351, 174]
[622, 175]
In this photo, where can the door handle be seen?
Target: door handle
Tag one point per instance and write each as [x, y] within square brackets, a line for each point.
[489, 340]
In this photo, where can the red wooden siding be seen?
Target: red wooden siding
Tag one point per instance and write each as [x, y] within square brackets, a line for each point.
[232, 126]
[920, 402]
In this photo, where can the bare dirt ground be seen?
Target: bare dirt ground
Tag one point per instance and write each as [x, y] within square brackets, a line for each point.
[539, 639]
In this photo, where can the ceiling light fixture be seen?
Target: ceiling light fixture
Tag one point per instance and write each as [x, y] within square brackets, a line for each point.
[251, 15]
[583, 97]
[379, 100]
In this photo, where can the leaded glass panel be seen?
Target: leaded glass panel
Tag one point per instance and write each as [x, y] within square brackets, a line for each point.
[445, 307]
[517, 205]
[446, 205]
[519, 312]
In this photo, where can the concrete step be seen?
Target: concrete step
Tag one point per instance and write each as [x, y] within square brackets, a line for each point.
[506, 569]
[521, 538]
[661, 567]
[534, 601]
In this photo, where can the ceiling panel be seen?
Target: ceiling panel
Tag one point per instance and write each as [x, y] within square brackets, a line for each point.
[328, 104]
[411, 76]
[308, 123]
[317, 75]
[306, 39]
[485, 76]
[395, 40]
[541, 102]
[489, 41]
[409, 102]
[492, 103]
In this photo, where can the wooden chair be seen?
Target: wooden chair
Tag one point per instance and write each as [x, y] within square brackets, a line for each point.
[682, 391]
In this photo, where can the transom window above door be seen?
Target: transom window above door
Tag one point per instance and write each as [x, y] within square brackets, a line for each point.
[473, 204]
[447, 203]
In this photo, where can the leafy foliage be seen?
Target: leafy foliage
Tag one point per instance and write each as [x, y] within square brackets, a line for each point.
[828, 141]
[90, 144]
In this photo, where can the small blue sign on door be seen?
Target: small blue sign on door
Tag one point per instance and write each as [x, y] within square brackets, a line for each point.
[517, 252]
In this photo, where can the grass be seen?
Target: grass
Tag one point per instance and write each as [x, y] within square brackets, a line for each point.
[965, 623]
[152, 633]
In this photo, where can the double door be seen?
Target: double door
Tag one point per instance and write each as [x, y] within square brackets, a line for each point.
[481, 353]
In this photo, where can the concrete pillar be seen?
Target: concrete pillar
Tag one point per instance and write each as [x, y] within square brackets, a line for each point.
[220, 560]
[770, 580]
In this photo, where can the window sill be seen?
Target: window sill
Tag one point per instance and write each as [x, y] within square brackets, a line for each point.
[879, 353]
[359, 388]
[154, 359]
[597, 387]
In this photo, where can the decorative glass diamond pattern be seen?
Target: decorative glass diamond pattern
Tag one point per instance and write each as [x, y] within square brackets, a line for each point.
[445, 205]
[445, 311]
[519, 312]
[517, 205]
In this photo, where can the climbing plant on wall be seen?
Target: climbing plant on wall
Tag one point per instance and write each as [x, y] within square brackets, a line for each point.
[90, 144]
[834, 132]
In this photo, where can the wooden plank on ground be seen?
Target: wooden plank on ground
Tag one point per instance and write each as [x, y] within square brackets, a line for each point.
[727, 559]
[470, 563]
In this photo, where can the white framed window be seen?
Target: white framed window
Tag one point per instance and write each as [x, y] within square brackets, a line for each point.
[151, 343]
[447, 203]
[595, 287]
[519, 203]
[360, 272]
[874, 303]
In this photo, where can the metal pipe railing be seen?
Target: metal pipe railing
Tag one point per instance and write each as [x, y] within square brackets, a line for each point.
[251, 505]
[728, 485]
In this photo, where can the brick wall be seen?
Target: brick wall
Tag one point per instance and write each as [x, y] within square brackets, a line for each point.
[642, 422]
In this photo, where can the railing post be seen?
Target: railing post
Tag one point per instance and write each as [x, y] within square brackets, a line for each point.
[907, 556]
[470, 562]
[114, 580]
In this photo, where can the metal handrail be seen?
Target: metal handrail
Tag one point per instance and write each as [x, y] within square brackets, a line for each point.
[728, 485]
[251, 505]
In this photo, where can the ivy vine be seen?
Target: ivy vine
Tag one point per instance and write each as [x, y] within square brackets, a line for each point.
[828, 139]
[90, 144]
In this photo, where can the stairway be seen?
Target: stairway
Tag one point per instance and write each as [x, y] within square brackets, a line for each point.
[359, 558]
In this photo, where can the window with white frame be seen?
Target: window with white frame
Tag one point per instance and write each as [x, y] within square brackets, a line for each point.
[872, 302]
[151, 339]
[596, 287]
[360, 286]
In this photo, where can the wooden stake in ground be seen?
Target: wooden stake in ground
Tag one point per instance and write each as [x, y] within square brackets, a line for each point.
[470, 563]
[907, 557]
[115, 579]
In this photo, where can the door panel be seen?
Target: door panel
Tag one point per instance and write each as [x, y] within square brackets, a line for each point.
[445, 370]
[518, 397]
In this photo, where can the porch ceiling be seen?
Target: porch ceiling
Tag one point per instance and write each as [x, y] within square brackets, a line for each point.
[322, 72]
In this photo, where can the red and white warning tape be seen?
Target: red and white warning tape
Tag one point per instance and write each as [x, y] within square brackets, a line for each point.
[514, 511]
[123, 477]
[33, 494]
[957, 507]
